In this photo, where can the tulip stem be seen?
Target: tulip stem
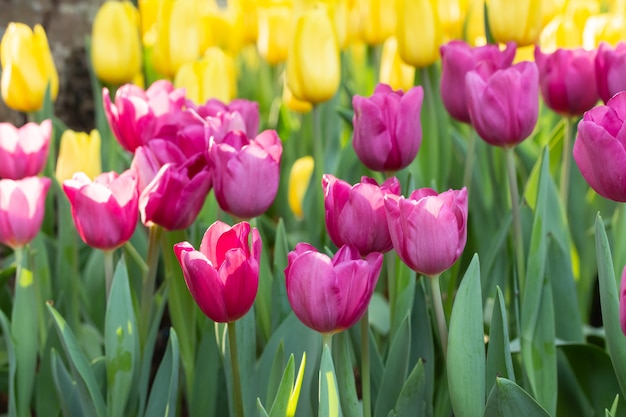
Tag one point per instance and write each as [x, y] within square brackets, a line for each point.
[469, 160]
[517, 220]
[108, 271]
[147, 291]
[327, 340]
[366, 385]
[234, 361]
[439, 313]
[566, 162]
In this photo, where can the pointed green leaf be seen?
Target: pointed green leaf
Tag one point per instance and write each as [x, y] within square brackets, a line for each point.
[295, 393]
[8, 340]
[164, 392]
[281, 400]
[509, 399]
[499, 362]
[74, 398]
[276, 374]
[329, 405]
[261, 409]
[207, 372]
[414, 398]
[345, 376]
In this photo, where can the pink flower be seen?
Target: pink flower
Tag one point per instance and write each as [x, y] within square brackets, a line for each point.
[246, 172]
[247, 110]
[600, 148]
[387, 127]
[223, 276]
[457, 59]
[138, 116]
[105, 210]
[503, 104]
[567, 78]
[24, 150]
[428, 230]
[330, 295]
[21, 209]
[610, 70]
[355, 215]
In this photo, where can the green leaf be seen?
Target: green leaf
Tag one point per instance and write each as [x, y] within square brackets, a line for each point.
[499, 362]
[10, 347]
[121, 342]
[207, 371]
[74, 398]
[466, 346]
[613, 411]
[509, 399]
[281, 400]
[276, 374]
[280, 303]
[260, 408]
[164, 392]
[295, 393]
[422, 344]
[345, 376]
[329, 396]
[414, 398]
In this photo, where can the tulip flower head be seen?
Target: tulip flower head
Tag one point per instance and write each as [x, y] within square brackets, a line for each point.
[79, 152]
[393, 71]
[600, 148]
[503, 104]
[330, 295]
[105, 209]
[24, 150]
[212, 76]
[21, 209]
[355, 215]
[418, 31]
[387, 127]
[223, 275]
[519, 21]
[299, 179]
[428, 230]
[610, 66]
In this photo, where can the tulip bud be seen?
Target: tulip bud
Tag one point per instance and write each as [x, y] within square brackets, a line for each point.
[428, 230]
[223, 275]
[418, 32]
[24, 150]
[313, 67]
[299, 179]
[225, 27]
[520, 21]
[610, 68]
[27, 68]
[293, 103]
[212, 76]
[393, 71]
[115, 43]
[21, 209]
[607, 27]
[330, 295]
[78, 152]
[274, 32]
[379, 20]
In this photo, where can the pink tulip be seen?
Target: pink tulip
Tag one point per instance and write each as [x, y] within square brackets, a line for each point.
[246, 172]
[355, 215]
[176, 194]
[457, 59]
[428, 230]
[105, 210]
[21, 209]
[600, 148]
[503, 104]
[149, 159]
[610, 70]
[387, 127]
[567, 78]
[24, 150]
[622, 302]
[223, 276]
[330, 295]
[247, 110]
[138, 116]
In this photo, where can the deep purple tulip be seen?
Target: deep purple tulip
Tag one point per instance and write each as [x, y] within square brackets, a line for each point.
[355, 215]
[567, 78]
[600, 148]
[457, 59]
[503, 104]
[223, 275]
[387, 127]
[330, 295]
[610, 70]
[428, 230]
[24, 150]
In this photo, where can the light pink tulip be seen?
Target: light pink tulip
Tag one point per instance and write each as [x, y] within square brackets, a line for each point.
[24, 150]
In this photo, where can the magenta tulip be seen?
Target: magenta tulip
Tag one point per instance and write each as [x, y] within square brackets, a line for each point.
[428, 230]
[330, 295]
[246, 172]
[457, 59]
[246, 109]
[567, 78]
[387, 127]
[149, 158]
[138, 116]
[21, 209]
[105, 210]
[24, 150]
[503, 104]
[223, 276]
[355, 215]
[610, 70]
[600, 148]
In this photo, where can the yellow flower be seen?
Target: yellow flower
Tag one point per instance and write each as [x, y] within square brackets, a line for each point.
[475, 23]
[566, 30]
[299, 179]
[292, 103]
[27, 68]
[452, 14]
[610, 28]
[519, 21]
[78, 152]
[225, 27]
[393, 71]
[418, 32]
[249, 15]
[212, 76]
[115, 42]
[379, 20]
[274, 32]
[313, 66]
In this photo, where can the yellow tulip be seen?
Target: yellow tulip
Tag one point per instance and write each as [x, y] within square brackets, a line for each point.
[379, 20]
[78, 152]
[418, 32]
[225, 27]
[475, 23]
[148, 13]
[313, 66]
[274, 32]
[452, 14]
[212, 76]
[27, 68]
[115, 42]
[566, 30]
[292, 103]
[299, 179]
[250, 10]
[519, 21]
[393, 71]
[610, 28]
